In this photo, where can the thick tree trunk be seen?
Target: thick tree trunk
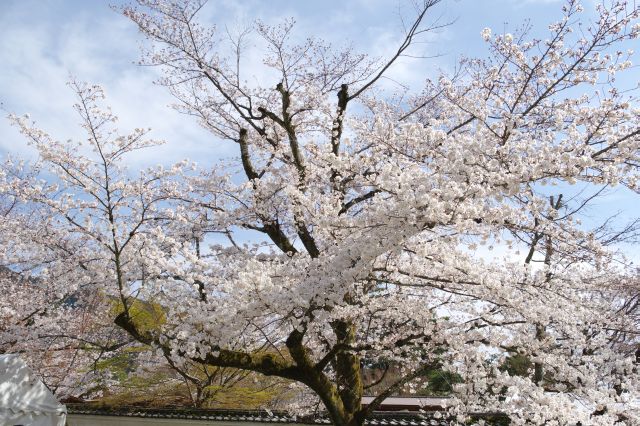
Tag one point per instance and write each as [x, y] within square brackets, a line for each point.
[348, 387]
[349, 379]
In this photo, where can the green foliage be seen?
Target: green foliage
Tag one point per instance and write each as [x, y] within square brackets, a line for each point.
[118, 366]
[440, 382]
[517, 365]
[164, 387]
[155, 390]
[128, 388]
[242, 396]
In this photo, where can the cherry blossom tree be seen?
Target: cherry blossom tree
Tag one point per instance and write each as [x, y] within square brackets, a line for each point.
[66, 332]
[60, 332]
[372, 216]
[626, 297]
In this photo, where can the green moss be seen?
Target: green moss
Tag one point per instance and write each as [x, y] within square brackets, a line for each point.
[147, 316]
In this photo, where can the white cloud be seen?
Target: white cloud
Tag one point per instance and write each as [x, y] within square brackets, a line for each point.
[38, 56]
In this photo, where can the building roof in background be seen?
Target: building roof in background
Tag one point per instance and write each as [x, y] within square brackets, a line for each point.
[378, 419]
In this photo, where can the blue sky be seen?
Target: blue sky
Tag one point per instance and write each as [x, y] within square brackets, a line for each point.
[43, 42]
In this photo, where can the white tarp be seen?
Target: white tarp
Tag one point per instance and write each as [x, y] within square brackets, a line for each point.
[24, 399]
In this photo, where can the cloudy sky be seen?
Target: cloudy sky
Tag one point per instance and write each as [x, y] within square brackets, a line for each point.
[44, 42]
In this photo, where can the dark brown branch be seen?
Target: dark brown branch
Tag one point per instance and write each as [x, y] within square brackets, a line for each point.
[274, 231]
[307, 240]
[377, 382]
[336, 130]
[244, 156]
[357, 200]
